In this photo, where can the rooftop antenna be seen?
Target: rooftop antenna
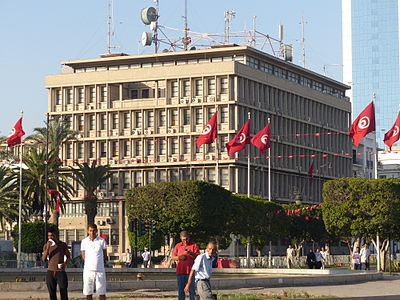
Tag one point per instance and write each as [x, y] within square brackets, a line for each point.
[229, 15]
[253, 40]
[186, 39]
[303, 50]
[110, 22]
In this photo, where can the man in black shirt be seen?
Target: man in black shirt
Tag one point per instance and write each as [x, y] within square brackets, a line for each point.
[311, 259]
[55, 250]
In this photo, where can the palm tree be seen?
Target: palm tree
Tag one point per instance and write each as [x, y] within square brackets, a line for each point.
[59, 132]
[34, 178]
[8, 197]
[90, 177]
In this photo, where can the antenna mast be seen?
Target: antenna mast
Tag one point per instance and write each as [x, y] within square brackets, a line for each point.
[110, 22]
[303, 49]
[155, 29]
[186, 39]
[228, 16]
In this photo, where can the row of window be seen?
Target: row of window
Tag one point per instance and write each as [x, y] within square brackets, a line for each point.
[76, 235]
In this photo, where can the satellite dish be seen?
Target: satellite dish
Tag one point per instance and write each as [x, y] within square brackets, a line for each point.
[193, 48]
[147, 38]
[153, 26]
[165, 51]
[149, 15]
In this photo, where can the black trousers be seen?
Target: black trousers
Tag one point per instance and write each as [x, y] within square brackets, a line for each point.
[54, 278]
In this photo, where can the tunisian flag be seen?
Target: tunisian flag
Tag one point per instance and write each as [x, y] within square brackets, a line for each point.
[240, 140]
[392, 136]
[56, 194]
[210, 132]
[262, 139]
[364, 124]
[16, 132]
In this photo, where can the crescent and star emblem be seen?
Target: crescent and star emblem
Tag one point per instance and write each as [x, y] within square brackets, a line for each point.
[396, 130]
[264, 139]
[363, 123]
[242, 138]
[12, 132]
[206, 130]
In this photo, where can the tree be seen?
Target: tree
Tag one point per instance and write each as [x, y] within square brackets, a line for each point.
[256, 219]
[90, 177]
[34, 178]
[8, 197]
[363, 208]
[58, 132]
[32, 236]
[201, 208]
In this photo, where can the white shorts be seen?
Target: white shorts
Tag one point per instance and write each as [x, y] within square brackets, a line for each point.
[93, 280]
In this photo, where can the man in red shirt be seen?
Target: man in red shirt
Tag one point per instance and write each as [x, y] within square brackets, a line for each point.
[184, 254]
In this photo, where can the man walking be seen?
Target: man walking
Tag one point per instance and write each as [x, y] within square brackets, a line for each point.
[55, 250]
[202, 270]
[146, 257]
[290, 253]
[365, 253]
[128, 258]
[94, 253]
[184, 254]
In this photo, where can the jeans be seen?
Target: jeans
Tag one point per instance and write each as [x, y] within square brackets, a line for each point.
[54, 278]
[182, 280]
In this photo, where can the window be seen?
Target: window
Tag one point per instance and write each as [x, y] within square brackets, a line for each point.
[115, 121]
[58, 95]
[138, 119]
[126, 148]
[162, 175]
[127, 120]
[103, 149]
[80, 150]
[115, 148]
[68, 122]
[150, 147]
[211, 175]
[224, 114]
[199, 87]
[211, 86]
[198, 174]
[174, 146]
[173, 175]
[69, 150]
[126, 183]
[134, 94]
[137, 178]
[103, 122]
[224, 177]
[114, 237]
[149, 177]
[81, 95]
[162, 119]
[186, 146]
[103, 94]
[81, 122]
[92, 150]
[185, 174]
[174, 88]
[211, 111]
[70, 96]
[146, 93]
[174, 117]
[114, 181]
[92, 122]
[138, 148]
[161, 93]
[162, 147]
[150, 119]
[92, 94]
[199, 116]
[224, 85]
[293, 77]
[186, 116]
[186, 88]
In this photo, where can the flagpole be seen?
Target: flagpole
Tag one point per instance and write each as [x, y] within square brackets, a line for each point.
[19, 266]
[217, 152]
[378, 252]
[269, 168]
[248, 195]
[46, 186]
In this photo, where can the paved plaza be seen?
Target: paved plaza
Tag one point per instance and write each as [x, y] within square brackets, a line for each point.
[388, 288]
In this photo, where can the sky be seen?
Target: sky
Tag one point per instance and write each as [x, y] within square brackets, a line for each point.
[37, 35]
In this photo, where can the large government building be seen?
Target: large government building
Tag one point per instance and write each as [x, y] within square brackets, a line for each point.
[142, 114]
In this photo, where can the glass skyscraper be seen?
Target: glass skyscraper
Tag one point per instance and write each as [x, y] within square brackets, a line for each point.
[371, 58]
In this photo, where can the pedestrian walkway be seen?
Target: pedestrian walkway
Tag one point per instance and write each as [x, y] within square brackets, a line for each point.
[381, 289]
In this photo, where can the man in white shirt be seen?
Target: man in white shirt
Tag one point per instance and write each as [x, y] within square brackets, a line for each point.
[94, 253]
[146, 257]
[365, 253]
[202, 270]
[290, 254]
[128, 258]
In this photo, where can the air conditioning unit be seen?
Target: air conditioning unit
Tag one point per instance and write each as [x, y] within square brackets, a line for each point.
[184, 100]
[101, 223]
[210, 98]
[135, 132]
[110, 221]
[148, 131]
[90, 107]
[112, 162]
[173, 159]
[101, 194]
[111, 194]
[171, 130]
[115, 133]
[195, 100]
[126, 161]
[79, 136]
[210, 157]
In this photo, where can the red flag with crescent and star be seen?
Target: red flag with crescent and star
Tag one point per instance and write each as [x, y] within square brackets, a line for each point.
[16, 133]
[262, 139]
[210, 132]
[392, 136]
[240, 140]
[364, 124]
